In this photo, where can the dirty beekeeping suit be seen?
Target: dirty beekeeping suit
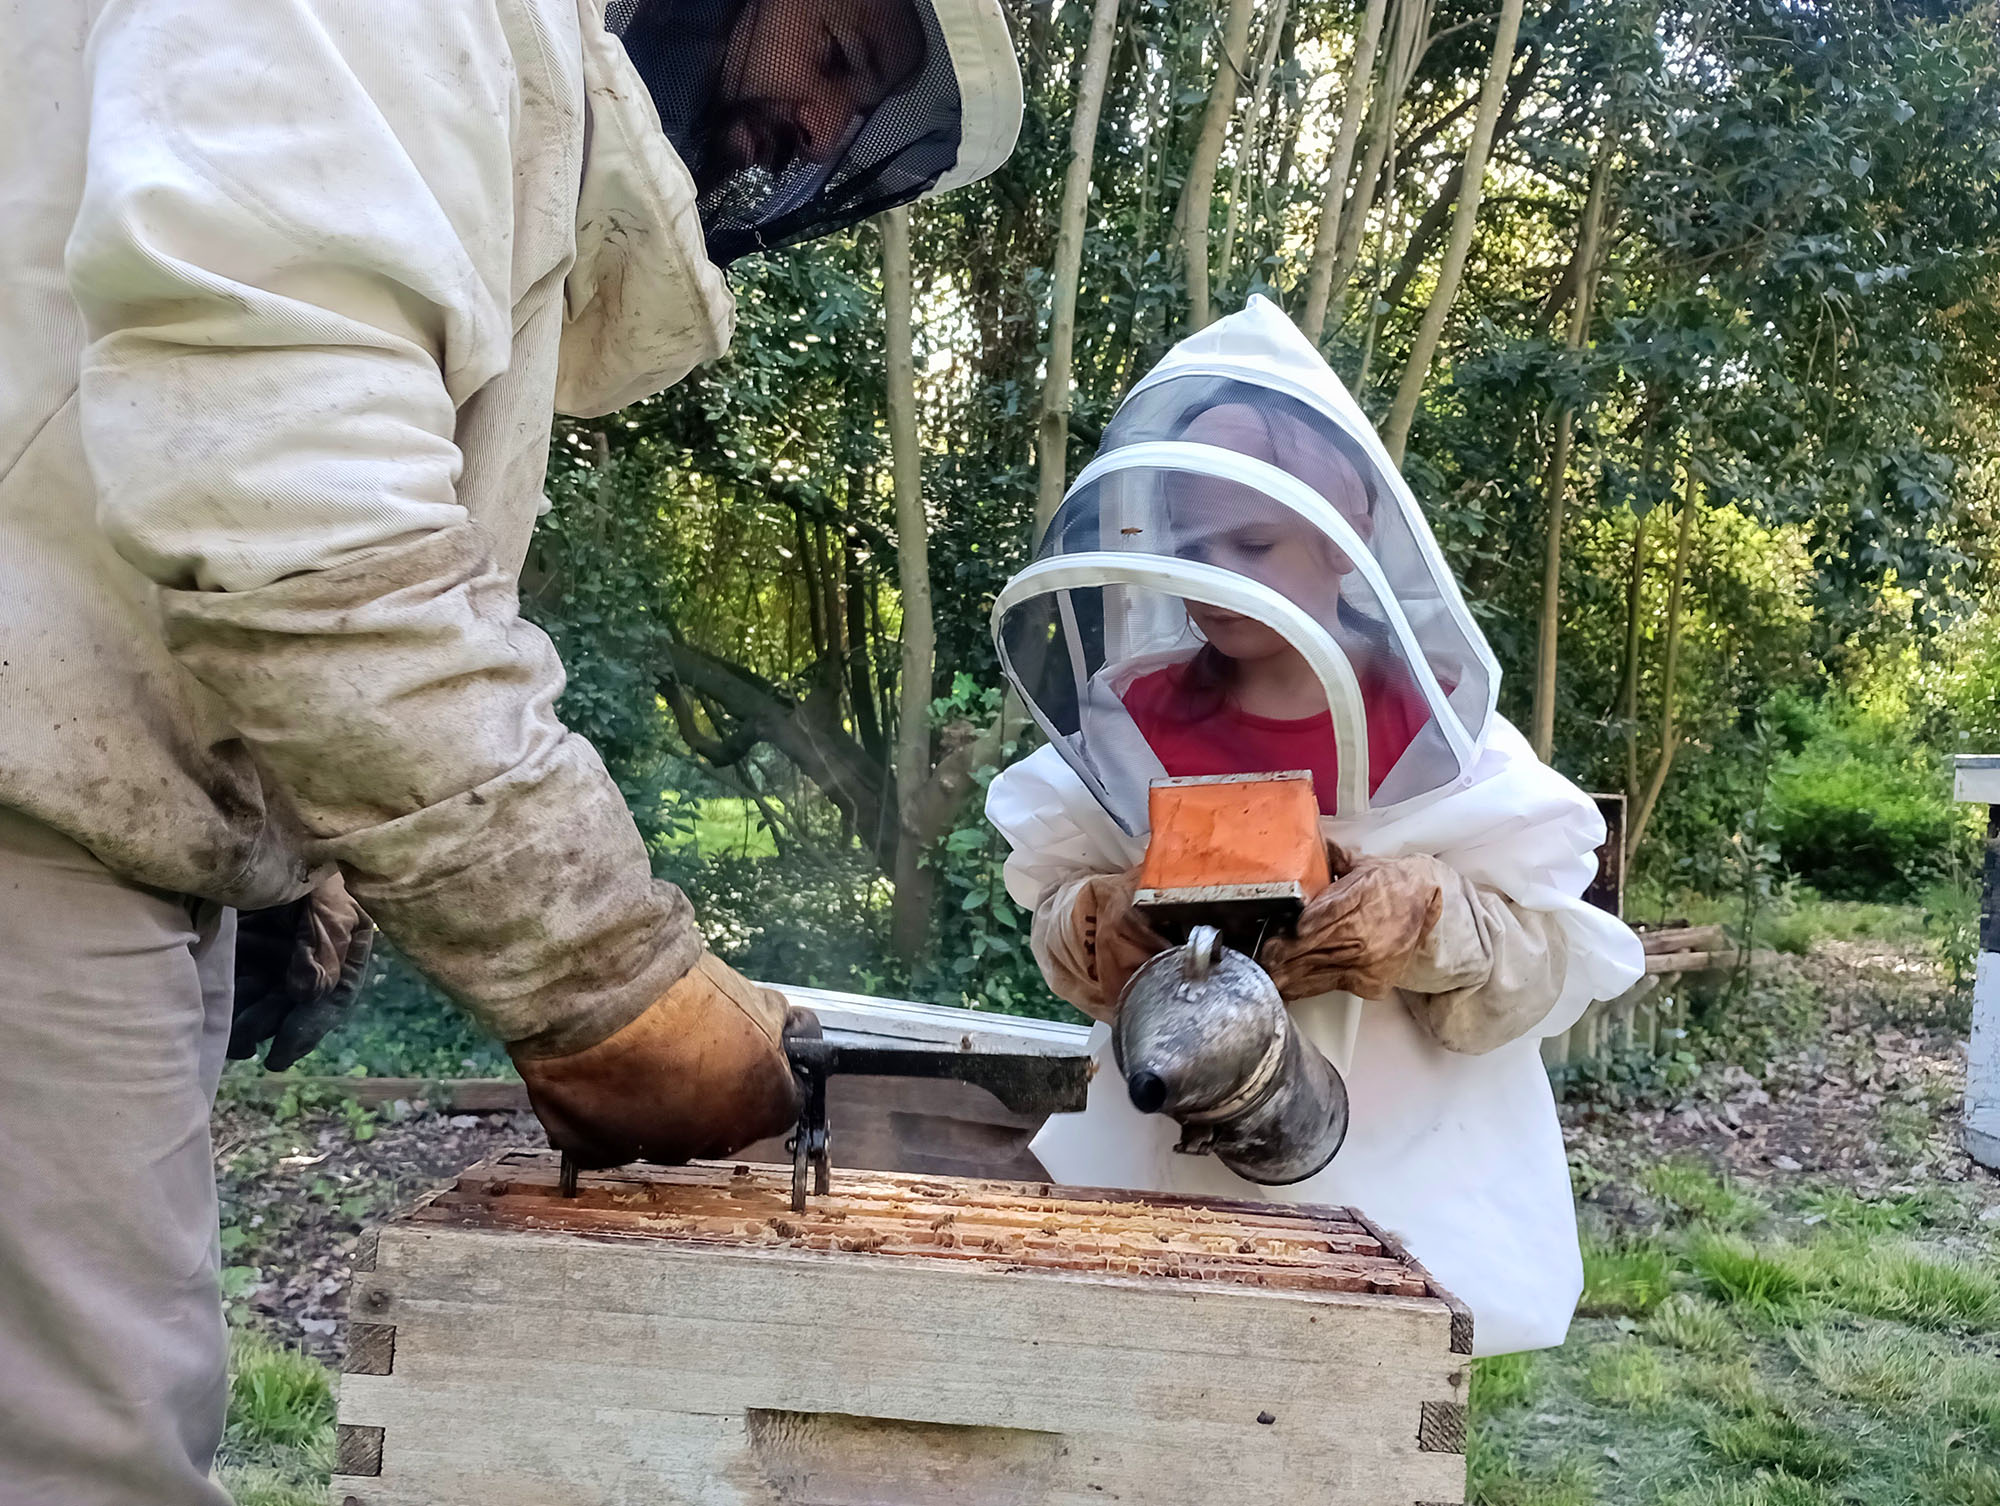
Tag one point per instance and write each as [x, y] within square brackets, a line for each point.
[1240, 583]
[291, 290]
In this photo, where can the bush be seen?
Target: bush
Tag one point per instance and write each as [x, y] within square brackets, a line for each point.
[1859, 811]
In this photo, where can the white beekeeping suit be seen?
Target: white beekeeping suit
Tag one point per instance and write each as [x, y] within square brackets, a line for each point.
[1240, 493]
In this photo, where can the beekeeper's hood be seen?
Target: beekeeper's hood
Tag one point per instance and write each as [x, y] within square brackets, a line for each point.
[1240, 477]
[797, 117]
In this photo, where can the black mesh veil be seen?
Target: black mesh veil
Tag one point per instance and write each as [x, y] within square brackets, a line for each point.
[797, 117]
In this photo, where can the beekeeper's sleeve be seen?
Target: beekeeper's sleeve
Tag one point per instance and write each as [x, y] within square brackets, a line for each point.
[1488, 972]
[295, 252]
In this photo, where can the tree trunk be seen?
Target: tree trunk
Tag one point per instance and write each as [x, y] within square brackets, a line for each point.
[1052, 441]
[1464, 221]
[1431, 225]
[910, 917]
[1406, 50]
[1669, 734]
[1200, 190]
[1628, 680]
[1274, 31]
[861, 660]
[1353, 110]
[1558, 472]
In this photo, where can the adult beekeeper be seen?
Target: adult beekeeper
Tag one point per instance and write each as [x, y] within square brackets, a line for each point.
[292, 289]
[1239, 583]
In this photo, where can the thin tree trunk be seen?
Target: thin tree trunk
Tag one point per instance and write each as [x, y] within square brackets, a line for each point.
[861, 658]
[1432, 225]
[1628, 680]
[1200, 190]
[1669, 733]
[1406, 50]
[1353, 110]
[1052, 439]
[1253, 119]
[809, 574]
[1557, 483]
[1464, 221]
[910, 917]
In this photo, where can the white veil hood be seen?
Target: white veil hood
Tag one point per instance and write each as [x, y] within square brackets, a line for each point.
[1240, 474]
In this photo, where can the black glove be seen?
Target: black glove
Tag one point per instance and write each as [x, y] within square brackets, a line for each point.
[299, 971]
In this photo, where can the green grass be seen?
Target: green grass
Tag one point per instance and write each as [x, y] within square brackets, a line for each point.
[1760, 1490]
[728, 823]
[1625, 1280]
[1842, 1210]
[1696, 1326]
[1745, 1357]
[1696, 1195]
[1502, 1380]
[277, 1449]
[1782, 1441]
[1627, 1375]
[1495, 1479]
[1760, 1280]
[1904, 1283]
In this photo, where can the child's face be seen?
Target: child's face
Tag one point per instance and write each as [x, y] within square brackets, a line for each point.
[1255, 537]
[1240, 529]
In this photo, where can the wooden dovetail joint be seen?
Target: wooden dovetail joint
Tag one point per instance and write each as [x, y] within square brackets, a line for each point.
[357, 1450]
[1441, 1427]
[364, 1250]
[1461, 1315]
[371, 1349]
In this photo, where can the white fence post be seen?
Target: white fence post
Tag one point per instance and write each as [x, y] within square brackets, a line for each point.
[1979, 782]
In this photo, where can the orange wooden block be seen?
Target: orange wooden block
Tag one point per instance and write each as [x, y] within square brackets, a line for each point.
[1233, 831]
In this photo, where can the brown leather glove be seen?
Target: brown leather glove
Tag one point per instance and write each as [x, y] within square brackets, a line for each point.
[700, 1074]
[1360, 934]
[299, 971]
[1090, 940]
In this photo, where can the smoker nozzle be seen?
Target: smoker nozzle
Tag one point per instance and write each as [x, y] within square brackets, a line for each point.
[1203, 1037]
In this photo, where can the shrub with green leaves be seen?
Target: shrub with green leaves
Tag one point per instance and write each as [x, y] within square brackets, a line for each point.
[1859, 809]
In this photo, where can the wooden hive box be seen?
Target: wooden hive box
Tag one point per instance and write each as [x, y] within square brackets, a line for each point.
[678, 1337]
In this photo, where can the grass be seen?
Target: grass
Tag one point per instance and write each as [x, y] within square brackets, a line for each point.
[1696, 1195]
[728, 823]
[1828, 1351]
[1627, 1375]
[1761, 1490]
[1731, 1269]
[1781, 1441]
[1697, 1326]
[277, 1449]
[1502, 1380]
[1495, 1479]
[1626, 1279]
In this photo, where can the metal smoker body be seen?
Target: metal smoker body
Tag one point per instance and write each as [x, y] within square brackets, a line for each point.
[1203, 1037]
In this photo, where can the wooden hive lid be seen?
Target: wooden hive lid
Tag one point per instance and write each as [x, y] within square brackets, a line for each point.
[1014, 1226]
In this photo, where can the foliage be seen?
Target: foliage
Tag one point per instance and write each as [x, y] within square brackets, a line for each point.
[1862, 812]
[277, 1449]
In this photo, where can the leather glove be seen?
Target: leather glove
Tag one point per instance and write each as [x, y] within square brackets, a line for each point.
[299, 972]
[1090, 940]
[700, 1074]
[1364, 931]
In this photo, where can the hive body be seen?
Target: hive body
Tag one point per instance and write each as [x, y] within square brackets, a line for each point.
[678, 1336]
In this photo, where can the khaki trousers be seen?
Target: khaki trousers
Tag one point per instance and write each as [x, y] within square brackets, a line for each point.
[114, 1012]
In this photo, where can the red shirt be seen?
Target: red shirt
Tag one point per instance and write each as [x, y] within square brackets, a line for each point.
[1231, 741]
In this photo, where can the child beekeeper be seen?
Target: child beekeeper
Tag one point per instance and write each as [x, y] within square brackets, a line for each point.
[1241, 582]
